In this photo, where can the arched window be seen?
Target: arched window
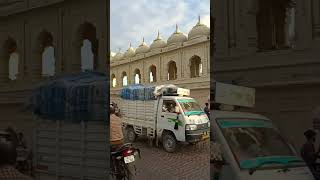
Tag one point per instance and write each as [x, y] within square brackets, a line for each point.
[114, 80]
[13, 66]
[13, 62]
[137, 76]
[153, 74]
[195, 67]
[47, 50]
[86, 56]
[275, 24]
[172, 70]
[89, 47]
[124, 79]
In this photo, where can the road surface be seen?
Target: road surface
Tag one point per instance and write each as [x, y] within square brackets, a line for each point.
[189, 162]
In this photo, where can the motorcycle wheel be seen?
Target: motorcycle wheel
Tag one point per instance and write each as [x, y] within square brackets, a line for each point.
[119, 177]
[129, 171]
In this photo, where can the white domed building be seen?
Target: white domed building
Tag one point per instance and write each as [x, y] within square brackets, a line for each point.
[182, 59]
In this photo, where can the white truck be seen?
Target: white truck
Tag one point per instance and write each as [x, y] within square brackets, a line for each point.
[248, 146]
[169, 119]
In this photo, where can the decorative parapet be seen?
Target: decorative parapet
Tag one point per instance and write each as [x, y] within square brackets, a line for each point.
[11, 7]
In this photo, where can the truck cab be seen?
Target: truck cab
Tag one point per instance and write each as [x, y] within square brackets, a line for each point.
[183, 118]
[248, 146]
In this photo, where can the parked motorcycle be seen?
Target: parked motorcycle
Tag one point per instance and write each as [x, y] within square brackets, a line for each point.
[122, 162]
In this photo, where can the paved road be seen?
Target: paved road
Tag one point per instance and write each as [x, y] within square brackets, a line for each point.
[189, 162]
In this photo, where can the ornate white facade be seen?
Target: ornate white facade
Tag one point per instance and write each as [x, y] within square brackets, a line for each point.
[44, 38]
[273, 46]
[183, 60]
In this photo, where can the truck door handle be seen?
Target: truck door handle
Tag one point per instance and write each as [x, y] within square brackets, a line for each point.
[162, 115]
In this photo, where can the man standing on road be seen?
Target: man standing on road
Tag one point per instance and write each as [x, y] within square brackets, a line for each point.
[116, 134]
[308, 152]
[8, 158]
[207, 110]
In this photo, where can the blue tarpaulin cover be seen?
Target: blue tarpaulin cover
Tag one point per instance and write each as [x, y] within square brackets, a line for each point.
[74, 97]
[138, 92]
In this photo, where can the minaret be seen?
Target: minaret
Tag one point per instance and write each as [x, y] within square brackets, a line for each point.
[142, 42]
[199, 20]
[158, 36]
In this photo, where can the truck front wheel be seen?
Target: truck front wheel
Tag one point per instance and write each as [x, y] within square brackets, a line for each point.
[131, 135]
[169, 142]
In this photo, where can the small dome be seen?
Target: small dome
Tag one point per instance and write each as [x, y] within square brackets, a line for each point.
[199, 30]
[112, 54]
[130, 52]
[158, 43]
[177, 37]
[118, 56]
[143, 48]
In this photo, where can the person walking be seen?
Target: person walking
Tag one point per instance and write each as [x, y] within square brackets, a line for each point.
[207, 110]
[308, 152]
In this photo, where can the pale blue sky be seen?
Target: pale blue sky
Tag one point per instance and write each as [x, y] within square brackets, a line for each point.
[131, 20]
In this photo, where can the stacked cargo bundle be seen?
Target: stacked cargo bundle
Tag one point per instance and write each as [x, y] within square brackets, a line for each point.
[144, 93]
[73, 97]
[138, 92]
[166, 89]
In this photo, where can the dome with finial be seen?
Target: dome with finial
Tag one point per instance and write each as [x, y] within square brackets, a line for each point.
[130, 52]
[118, 56]
[177, 37]
[112, 54]
[143, 47]
[158, 43]
[199, 30]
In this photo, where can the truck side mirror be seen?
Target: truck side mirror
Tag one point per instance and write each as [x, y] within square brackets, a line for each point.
[177, 109]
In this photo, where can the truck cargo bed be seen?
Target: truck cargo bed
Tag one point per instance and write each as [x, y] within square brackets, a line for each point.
[141, 115]
[65, 150]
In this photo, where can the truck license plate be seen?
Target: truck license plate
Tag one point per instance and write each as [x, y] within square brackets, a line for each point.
[129, 159]
[205, 136]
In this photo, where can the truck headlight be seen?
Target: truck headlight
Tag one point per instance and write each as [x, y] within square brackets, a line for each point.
[191, 127]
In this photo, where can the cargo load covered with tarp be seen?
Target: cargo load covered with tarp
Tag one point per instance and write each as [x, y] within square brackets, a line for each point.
[143, 93]
[71, 132]
[138, 92]
[71, 97]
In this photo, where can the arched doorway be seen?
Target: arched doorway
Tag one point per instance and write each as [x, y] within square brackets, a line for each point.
[11, 54]
[172, 70]
[124, 79]
[89, 45]
[153, 74]
[195, 67]
[48, 62]
[114, 80]
[137, 76]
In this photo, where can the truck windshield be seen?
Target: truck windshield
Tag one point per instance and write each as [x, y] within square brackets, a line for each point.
[190, 107]
[256, 142]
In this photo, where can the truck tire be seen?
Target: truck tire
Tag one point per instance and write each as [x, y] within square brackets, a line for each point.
[169, 142]
[131, 135]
